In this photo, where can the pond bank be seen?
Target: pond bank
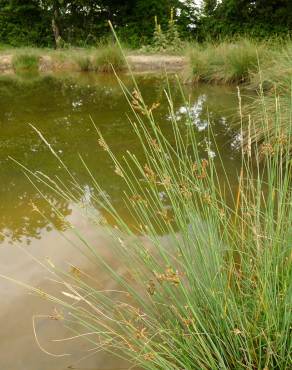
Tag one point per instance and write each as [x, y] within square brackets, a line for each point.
[139, 63]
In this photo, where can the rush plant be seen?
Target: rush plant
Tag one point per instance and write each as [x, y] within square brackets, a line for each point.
[206, 281]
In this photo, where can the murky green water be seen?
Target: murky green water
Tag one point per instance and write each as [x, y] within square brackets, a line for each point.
[62, 109]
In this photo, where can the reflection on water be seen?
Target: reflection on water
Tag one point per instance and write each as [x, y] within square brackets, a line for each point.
[193, 115]
[62, 109]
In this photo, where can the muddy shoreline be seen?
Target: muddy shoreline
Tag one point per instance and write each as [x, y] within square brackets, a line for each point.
[138, 63]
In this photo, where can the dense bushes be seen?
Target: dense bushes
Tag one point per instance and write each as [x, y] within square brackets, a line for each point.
[24, 24]
[82, 23]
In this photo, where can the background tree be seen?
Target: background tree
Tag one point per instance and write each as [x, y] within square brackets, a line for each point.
[209, 6]
[258, 18]
[24, 23]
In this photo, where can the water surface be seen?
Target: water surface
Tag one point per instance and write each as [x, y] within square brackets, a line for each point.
[63, 108]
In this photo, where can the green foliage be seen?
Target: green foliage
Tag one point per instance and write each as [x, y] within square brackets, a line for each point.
[256, 18]
[172, 34]
[209, 6]
[159, 39]
[83, 23]
[79, 23]
[24, 23]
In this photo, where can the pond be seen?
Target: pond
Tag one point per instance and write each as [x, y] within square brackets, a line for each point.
[62, 108]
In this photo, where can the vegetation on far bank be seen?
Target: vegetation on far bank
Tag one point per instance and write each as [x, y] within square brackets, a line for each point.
[101, 59]
[230, 61]
[84, 23]
[257, 66]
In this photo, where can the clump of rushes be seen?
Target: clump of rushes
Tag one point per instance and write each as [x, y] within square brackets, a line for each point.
[215, 291]
[84, 62]
[264, 109]
[25, 62]
[242, 59]
[107, 58]
[227, 62]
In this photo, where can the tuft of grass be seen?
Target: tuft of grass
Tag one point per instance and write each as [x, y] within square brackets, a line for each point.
[241, 60]
[25, 62]
[273, 80]
[108, 57]
[263, 67]
[84, 62]
[227, 62]
[199, 68]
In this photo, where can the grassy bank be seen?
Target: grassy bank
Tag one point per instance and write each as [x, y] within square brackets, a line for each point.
[225, 62]
[214, 291]
[98, 59]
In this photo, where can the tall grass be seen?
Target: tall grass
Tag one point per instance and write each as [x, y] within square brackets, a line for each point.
[100, 58]
[275, 71]
[215, 291]
[274, 80]
[104, 58]
[84, 62]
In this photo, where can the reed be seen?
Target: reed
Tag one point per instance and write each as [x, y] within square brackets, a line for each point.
[273, 81]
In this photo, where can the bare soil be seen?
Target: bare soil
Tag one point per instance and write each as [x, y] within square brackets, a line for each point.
[139, 63]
